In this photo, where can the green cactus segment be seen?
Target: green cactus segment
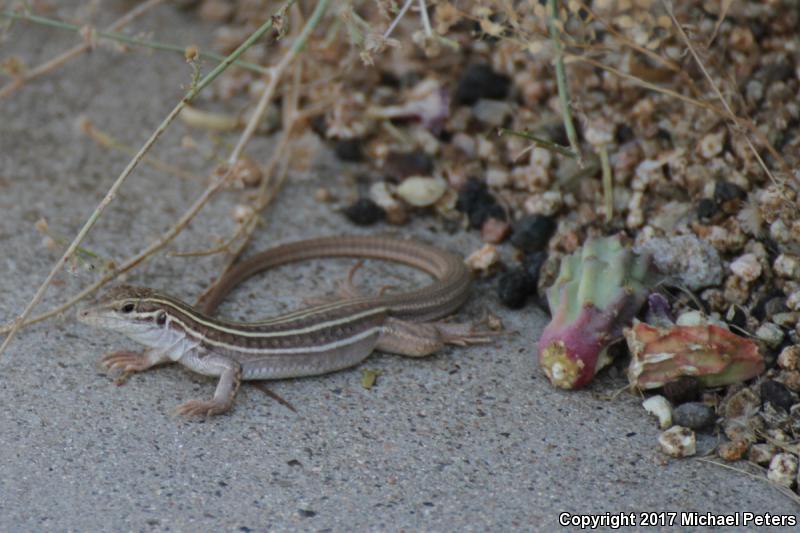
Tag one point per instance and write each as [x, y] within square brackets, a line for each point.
[712, 354]
[598, 291]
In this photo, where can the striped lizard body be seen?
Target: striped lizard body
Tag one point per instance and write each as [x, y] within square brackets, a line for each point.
[317, 340]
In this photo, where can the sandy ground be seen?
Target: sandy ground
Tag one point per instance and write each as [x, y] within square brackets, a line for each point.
[470, 439]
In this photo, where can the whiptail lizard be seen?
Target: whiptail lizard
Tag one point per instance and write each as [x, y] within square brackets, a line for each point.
[317, 340]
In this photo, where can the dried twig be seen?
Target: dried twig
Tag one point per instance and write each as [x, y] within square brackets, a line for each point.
[111, 194]
[46, 67]
[133, 41]
[732, 116]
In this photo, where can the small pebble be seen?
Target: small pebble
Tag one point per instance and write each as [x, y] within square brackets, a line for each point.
[694, 415]
[482, 259]
[659, 407]
[777, 394]
[733, 450]
[514, 287]
[725, 191]
[747, 267]
[791, 378]
[532, 233]
[364, 212]
[736, 316]
[690, 260]
[395, 210]
[770, 333]
[682, 390]
[787, 266]
[711, 144]
[480, 214]
[533, 264]
[477, 202]
[348, 149]
[421, 191]
[495, 231]
[400, 165]
[762, 453]
[480, 81]
[706, 208]
[492, 112]
[548, 203]
[783, 469]
[789, 358]
[678, 441]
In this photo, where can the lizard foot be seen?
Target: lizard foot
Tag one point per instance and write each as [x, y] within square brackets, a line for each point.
[126, 362]
[197, 408]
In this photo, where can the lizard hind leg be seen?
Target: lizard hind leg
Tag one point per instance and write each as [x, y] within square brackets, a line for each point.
[418, 339]
[230, 379]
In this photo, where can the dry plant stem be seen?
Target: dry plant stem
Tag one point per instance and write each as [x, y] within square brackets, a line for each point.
[267, 193]
[46, 67]
[397, 19]
[629, 43]
[747, 124]
[111, 194]
[544, 143]
[426, 22]
[608, 183]
[783, 490]
[133, 41]
[104, 139]
[732, 115]
[561, 81]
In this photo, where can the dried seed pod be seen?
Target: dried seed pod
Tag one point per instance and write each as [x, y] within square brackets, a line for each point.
[598, 291]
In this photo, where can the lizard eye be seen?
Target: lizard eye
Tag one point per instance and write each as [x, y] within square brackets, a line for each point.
[161, 318]
[127, 308]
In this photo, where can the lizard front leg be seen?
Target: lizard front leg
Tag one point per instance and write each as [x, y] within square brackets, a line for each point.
[129, 362]
[230, 378]
[418, 339]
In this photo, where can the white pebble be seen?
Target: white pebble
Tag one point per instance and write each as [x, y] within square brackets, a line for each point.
[678, 441]
[547, 203]
[480, 260]
[783, 469]
[770, 333]
[747, 267]
[659, 407]
[787, 266]
[421, 191]
[711, 145]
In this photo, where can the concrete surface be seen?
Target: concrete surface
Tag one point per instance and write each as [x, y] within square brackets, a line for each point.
[468, 440]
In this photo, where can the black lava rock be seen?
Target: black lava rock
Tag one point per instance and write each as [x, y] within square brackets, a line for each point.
[482, 212]
[364, 212]
[706, 208]
[682, 390]
[777, 394]
[514, 287]
[473, 193]
[477, 202]
[725, 191]
[736, 317]
[480, 81]
[400, 165]
[694, 415]
[623, 134]
[532, 263]
[348, 149]
[531, 233]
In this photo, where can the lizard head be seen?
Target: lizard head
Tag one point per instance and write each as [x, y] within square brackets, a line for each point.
[127, 309]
